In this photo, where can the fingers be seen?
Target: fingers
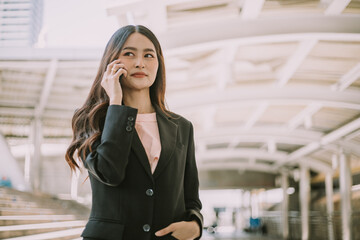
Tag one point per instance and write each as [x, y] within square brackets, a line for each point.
[110, 65]
[113, 67]
[166, 230]
[114, 70]
[120, 72]
[117, 67]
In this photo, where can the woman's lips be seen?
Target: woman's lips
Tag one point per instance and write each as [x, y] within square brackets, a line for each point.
[139, 75]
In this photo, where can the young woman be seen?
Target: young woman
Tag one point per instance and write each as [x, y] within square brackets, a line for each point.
[140, 156]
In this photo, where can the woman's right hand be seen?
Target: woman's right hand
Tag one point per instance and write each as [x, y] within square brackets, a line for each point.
[110, 81]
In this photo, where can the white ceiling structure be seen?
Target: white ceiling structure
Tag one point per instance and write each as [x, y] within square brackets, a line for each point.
[268, 84]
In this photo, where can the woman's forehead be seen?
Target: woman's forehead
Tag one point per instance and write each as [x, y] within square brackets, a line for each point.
[137, 41]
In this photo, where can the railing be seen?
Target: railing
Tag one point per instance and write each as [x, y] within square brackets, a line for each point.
[321, 226]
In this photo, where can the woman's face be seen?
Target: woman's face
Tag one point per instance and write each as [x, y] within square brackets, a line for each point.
[140, 59]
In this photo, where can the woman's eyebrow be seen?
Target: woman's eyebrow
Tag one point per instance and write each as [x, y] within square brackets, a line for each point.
[135, 49]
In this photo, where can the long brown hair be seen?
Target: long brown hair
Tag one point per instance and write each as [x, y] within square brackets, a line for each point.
[88, 121]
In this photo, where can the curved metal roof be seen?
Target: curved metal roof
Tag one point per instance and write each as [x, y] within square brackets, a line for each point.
[269, 85]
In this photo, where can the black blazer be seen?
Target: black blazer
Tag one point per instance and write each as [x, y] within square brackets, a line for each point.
[128, 201]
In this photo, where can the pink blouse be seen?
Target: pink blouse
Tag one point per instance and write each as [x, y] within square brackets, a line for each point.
[148, 131]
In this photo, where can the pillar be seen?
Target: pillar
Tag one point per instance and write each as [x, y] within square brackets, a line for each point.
[329, 203]
[345, 192]
[285, 206]
[35, 160]
[304, 201]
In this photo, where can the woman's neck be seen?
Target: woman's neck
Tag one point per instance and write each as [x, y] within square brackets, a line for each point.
[138, 99]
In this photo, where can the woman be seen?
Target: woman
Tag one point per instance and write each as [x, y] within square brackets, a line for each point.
[140, 156]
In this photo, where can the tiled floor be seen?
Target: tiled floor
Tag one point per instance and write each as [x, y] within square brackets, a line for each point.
[238, 236]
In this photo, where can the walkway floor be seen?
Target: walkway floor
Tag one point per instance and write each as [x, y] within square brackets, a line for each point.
[237, 236]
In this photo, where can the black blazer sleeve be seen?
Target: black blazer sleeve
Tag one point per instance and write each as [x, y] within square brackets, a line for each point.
[104, 162]
[191, 184]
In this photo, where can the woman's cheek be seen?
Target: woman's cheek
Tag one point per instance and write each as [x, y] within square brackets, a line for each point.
[154, 68]
[126, 63]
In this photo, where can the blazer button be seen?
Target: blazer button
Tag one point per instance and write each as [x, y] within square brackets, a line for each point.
[128, 128]
[146, 228]
[149, 192]
[130, 123]
[131, 118]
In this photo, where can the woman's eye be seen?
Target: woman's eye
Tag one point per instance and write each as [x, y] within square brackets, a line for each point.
[128, 54]
[149, 55]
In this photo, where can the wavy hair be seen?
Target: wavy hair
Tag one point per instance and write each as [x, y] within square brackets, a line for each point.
[88, 121]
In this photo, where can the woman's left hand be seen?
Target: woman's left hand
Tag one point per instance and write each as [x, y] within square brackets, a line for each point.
[181, 230]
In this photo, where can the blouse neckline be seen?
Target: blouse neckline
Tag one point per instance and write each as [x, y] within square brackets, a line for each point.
[146, 117]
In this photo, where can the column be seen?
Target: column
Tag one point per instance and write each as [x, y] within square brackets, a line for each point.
[285, 206]
[329, 203]
[304, 201]
[74, 184]
[35, 161]
[345, 192]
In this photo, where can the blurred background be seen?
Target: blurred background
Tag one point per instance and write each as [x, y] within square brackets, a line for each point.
[271, 86]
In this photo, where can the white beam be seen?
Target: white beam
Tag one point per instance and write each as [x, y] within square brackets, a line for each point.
[271, 146]
[251, 9]
[313, 164]
[19, 103]
[227, 54]
[309, 148]
[256, 115]
[35, 54]
[16, 112]
[352, 135]
[288, 95]
[262, 39]
[259, 135]
[233, 165]
[309, 111]
[12, 95]
[58, 114]
[172, 2]
[49, 80]
[200, 147]
[294, 62]
[242, 153]
[220, 31]
[347, 79]
[62, 106]
[336, 7]
[23, 65]
[327, 139]
[208, 118]
[351, 146]
[341, 132]
[233, 142]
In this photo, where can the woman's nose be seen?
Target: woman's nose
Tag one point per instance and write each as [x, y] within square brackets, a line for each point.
[140, 63]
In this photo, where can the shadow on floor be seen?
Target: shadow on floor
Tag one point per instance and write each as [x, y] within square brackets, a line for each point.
[236, 236]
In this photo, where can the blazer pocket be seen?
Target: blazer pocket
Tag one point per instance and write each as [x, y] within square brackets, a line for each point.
[179, 145]
[103, 230]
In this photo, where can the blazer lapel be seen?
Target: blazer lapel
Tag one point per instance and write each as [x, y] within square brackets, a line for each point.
[139, 150]
[168, 136]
